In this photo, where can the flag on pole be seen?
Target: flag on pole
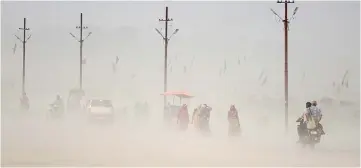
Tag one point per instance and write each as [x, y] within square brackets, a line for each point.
[116, 60]
[14, 49]
[264, 81]
[344, 78]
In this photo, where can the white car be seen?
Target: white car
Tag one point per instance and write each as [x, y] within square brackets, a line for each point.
[100, 108]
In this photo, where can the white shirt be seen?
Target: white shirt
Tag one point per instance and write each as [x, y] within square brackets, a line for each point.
[315, 111]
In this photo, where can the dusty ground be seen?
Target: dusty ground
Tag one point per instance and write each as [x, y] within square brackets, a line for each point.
[34, 140]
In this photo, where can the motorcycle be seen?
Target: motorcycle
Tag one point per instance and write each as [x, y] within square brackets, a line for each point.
[311, 136]
[56, 111]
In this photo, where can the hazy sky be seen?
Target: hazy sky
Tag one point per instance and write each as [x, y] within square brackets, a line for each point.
[324, 42]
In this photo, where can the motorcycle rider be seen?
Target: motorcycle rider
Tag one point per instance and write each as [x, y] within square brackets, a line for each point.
[183, 117]
[233, 118]
[317, 115]
[302, 128]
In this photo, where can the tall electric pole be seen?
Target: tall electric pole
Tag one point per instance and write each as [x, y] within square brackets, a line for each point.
[24, 40]
[166, 40]
[81, 40]
[286, 21]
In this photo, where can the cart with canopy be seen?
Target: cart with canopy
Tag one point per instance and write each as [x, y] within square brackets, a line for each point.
[171, 109]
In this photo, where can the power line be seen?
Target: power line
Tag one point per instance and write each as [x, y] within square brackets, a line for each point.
[81, 40]
[166, 40]
[24, 40]
[286, 22]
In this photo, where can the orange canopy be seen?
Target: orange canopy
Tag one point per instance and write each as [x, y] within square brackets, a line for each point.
[178, 94]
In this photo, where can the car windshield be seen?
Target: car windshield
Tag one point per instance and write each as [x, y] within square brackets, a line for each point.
[102, 103]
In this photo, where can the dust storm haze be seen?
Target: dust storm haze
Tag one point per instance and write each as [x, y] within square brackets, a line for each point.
[224, 53]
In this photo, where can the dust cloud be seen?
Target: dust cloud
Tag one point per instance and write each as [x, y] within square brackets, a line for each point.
[217, 56]
[33, 139]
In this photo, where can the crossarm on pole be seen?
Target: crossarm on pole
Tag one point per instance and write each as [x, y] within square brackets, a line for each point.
[74, 37]
[160, 33]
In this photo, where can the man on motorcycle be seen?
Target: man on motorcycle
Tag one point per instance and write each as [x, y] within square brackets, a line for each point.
[302, 128]
[316, 113]
[183, 117]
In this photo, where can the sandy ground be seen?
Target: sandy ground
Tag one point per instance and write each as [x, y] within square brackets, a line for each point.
[34, 140]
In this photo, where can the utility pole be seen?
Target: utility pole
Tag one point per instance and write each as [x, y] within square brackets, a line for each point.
[286, 21]
[24, 40]
[81, 40]
[166, 40]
